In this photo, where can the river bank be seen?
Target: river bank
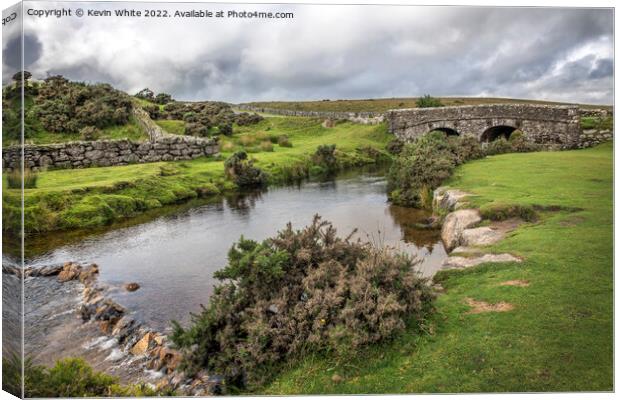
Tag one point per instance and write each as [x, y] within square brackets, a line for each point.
[559, 320]
[93, 197]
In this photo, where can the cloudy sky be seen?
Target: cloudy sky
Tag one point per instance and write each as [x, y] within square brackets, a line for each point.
[333, 52]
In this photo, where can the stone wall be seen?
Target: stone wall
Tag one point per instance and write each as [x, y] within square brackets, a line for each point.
[592, 137]
[553, 126]
[161, 146]
[366, 118]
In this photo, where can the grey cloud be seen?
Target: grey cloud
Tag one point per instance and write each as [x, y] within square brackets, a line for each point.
[347, 52]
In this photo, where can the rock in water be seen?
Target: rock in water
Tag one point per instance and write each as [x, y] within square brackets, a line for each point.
[132, 287]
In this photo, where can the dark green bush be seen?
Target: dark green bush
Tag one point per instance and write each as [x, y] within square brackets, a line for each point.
[66, 107]
[325, 158]
[395, 146]
[498, 146]
[243, 171]
[244, 119]
[297, 293]
[421, 167]
[520, 144]
[428, 101]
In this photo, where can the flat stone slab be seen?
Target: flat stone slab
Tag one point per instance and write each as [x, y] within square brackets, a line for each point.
[456, 262]
[482, 236]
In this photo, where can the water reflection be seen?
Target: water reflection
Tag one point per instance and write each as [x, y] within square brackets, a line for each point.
[173, 256]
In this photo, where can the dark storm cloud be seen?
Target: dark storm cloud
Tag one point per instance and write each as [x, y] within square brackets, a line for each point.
[346, 52]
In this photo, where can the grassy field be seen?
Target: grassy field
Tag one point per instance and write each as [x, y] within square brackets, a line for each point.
[87, 198]
[382, 105]
[558, 337]
[129, 131]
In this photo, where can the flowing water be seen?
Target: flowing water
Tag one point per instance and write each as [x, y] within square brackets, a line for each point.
[173, 256]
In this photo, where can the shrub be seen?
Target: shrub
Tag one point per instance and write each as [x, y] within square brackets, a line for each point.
[283, 141]
[520, 144]
[247, 140]
[243, 171]
[244, 119]
[466, 148]
[395, 146]
[325, 157]
[266, 146]
[498, 146]
[428, 101]
[297, 293]
[64, 106]
[420, 168]
[90, 133]
[227, 146]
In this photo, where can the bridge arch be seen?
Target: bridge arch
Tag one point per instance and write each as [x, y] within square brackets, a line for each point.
[447, 131]
[496, 132]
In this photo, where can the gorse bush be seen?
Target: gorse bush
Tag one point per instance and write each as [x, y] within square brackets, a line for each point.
[300, 292]
[244, 119]
[428, 101]
[243, 171]
[66, 107]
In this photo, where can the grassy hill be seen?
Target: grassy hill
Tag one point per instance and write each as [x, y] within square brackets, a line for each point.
[382, 105]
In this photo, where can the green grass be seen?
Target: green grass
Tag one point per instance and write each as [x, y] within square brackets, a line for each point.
[382, 105]
[130, 131]
[172, 126]
[559, 337]
[93, 197]
[597, 123]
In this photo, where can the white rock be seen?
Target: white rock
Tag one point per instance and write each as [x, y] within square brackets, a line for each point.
[468, 262]
[454, 225]
[482, 236]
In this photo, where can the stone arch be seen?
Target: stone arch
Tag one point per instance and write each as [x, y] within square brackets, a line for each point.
[496, 132]
[447, 131]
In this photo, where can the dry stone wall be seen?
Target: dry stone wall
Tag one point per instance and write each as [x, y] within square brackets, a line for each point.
[366, 118]
[161, 146]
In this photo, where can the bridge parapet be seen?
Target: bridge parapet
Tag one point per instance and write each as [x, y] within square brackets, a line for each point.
[551, 125]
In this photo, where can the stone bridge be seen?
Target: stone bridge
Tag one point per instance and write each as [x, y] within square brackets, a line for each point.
[550, 125]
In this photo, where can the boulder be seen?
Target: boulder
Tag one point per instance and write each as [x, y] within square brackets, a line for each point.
[143, 345]
[447, 200]
[70, 271]
[482, 236]
[454, 225]
[132, 287]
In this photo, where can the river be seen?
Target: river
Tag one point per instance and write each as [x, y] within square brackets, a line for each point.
[173, 256]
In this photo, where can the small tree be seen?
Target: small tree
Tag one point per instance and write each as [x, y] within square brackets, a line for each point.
[146, 94]
[163, 98]
[427, 101]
